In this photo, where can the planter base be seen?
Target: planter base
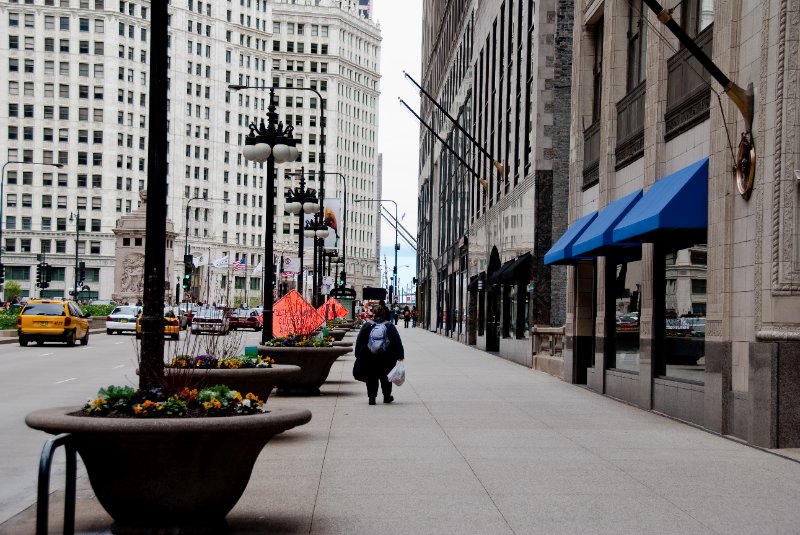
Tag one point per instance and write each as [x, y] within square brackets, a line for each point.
[315, 364]
[164, 475]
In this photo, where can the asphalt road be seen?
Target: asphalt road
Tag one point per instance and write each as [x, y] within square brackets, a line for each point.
[54, 375]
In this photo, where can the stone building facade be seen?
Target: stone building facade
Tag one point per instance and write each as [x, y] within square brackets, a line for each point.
[695, 312]
[501, 71]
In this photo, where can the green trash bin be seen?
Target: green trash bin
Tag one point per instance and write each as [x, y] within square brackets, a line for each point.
[250, 351]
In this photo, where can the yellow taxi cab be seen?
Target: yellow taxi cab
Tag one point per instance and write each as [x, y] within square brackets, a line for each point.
[52, 320]
[172, 326]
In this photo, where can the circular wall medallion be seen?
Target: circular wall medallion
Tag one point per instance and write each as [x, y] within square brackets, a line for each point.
[745, 166]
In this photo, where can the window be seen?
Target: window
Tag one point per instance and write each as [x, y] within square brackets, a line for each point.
[597, 70]
[696, 16]
[637, 44]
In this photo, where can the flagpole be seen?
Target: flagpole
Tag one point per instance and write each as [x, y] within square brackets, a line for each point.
[246, 267]
[208, 277]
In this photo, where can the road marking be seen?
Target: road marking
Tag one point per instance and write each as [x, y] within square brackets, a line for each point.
[118, 343]
[66, 380]
[46, 354]
[118, 367]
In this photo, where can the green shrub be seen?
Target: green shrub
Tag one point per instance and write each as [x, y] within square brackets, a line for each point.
[98, 310]
[8, 318]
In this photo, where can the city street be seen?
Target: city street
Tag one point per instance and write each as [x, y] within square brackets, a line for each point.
[472, 444]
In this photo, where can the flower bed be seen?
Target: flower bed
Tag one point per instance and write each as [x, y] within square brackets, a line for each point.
[300, 341]
[219, 400]
[206, 362]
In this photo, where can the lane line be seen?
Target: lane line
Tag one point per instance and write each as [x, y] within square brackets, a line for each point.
[66, 380]
[118, 367]
[47, 354]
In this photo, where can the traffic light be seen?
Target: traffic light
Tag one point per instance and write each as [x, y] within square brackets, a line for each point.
[39, 275]
[81, 272]
[188, 269]
[2, 273]
[48, 273]
[342, 278]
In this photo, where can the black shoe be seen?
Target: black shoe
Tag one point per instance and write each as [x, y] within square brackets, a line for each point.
[372, 401]
[388, 399]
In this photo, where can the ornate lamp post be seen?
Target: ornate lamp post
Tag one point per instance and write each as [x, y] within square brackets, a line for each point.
[270, 143]
[301, 201]
[317, 230]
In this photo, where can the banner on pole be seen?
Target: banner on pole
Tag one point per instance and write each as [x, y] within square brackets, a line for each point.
[291, 264]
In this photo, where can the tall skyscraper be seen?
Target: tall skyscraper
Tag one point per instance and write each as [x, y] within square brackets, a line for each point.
[76, 81]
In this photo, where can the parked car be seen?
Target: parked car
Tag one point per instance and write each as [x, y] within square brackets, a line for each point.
[122, 318]
[103, 302]
[50, 320]
[243, 318]
[172, 327]
[210, 320]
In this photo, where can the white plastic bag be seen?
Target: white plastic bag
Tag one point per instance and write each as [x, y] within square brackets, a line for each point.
[398, 373]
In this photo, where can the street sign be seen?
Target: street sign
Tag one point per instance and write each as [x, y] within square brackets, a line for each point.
[327, 280]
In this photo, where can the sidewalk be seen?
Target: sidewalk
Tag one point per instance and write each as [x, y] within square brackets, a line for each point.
[476, 444]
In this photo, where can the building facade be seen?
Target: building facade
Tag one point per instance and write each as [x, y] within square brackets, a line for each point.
[76, 80]
[493, 175]
[683, 284]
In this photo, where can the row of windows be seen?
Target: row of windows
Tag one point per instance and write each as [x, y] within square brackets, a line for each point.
[26, 201]
[61, 180]
[45, 246]
[300, 29]
[299, 65]
[47, 134]
[64, 45]
[83, 4]
[300, 48]
[61, 224]
[84, 91]
[23, 273]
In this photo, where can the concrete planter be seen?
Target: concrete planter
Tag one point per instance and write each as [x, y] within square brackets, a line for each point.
[337, 334]
[259, 381]
[343, 343]
[170, 475]
[315, 364]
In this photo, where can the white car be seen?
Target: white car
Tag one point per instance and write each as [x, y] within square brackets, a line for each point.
[122, 318]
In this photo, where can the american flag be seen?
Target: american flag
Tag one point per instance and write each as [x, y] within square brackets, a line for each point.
[240, 264]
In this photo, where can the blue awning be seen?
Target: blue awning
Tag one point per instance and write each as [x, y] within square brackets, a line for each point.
[561, 252]
[674, 209]
[597, 239]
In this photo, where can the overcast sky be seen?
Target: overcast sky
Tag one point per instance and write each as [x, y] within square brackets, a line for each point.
[398, 135]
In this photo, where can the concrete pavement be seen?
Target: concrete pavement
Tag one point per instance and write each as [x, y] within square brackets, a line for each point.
[477, 444]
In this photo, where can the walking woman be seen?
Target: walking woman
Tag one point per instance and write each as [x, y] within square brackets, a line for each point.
[378, 348]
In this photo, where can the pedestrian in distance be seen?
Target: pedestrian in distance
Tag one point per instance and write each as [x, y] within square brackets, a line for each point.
[395, 312]
[406, 316]
[414, 317]
[378, 348]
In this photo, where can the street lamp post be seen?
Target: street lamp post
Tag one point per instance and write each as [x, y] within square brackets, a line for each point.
[271, 89]
[301, 200]
[270, 143]
[396, 245]
[344, 217]
[317, 230]
[2, 197]
[77, 241]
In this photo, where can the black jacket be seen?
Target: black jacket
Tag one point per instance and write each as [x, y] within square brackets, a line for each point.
[380, 363]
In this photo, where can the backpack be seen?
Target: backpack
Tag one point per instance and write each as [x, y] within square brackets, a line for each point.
[378, 338]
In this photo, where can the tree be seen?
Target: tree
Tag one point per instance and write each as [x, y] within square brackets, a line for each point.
[12, 289]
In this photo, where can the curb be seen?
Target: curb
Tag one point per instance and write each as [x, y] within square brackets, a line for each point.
[6, 338]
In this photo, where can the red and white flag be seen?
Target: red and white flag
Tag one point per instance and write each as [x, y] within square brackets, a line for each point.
[240, 264]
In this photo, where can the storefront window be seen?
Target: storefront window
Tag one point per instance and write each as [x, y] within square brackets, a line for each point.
[685, 314]
[627, 298]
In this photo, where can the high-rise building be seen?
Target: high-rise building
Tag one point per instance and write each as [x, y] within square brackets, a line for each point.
[77, 80]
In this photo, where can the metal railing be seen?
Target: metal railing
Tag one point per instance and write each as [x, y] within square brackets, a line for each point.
[43, 491]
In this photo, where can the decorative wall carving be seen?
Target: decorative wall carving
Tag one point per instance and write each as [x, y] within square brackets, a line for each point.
[132, 280]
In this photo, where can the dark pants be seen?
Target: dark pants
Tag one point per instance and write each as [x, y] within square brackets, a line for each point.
[406, 320]
[372, 386]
